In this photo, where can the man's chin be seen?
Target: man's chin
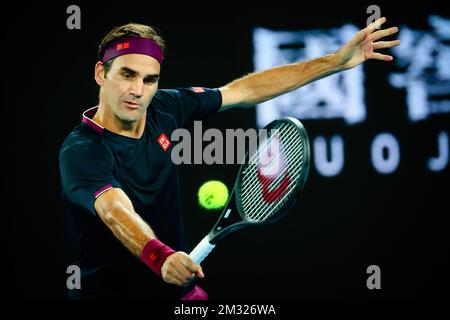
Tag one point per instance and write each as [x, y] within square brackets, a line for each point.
[129, 119]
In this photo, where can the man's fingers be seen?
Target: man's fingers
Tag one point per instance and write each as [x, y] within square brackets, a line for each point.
[359, 37]
[181, 270]
[179, 279]
[197, 269]
[375, 25]
[383, 33]
[175, 271]
[176, 281]
[174, 276]
[200, 273]
[185, 273]
[379, 56]
[385, 44]
[191, 265]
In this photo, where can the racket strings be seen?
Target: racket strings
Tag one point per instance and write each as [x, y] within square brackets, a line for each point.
[254, 167]
[254, 205]
[276, 132]
[258, 209]
[249, 172]
[262, 149]
[261, 212]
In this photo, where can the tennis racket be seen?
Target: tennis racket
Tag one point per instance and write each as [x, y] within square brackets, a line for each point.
[267, 184]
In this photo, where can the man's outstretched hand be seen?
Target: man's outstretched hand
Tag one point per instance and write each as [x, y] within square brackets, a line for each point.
[363, 44]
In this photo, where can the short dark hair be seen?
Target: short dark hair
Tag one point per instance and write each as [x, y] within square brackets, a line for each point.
[128, 30]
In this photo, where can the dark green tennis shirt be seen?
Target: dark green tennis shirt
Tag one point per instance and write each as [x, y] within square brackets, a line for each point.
[93, 160]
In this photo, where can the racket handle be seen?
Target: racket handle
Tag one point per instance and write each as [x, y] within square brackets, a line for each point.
[202, 250]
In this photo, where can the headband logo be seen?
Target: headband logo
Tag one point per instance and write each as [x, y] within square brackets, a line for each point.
[133, 45]
[121, 46]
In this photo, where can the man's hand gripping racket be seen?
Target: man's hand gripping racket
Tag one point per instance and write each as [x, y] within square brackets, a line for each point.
[267, 184]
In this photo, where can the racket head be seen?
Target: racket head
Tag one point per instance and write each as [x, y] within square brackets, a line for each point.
[264, 197]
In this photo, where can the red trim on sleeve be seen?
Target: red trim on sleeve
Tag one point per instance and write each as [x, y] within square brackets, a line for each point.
[99, 192]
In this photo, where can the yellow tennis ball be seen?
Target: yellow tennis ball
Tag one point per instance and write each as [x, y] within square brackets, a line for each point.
[213, 195]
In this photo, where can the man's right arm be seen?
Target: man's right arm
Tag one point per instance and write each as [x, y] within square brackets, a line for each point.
[117, 212]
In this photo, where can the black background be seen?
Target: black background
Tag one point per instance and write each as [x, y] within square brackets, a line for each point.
[321, 250]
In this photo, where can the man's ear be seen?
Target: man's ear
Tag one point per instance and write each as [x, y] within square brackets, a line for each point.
[99, 73]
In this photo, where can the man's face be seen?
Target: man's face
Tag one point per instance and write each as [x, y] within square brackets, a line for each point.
[130, 85]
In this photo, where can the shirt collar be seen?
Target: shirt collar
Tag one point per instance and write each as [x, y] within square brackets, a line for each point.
[87, 119]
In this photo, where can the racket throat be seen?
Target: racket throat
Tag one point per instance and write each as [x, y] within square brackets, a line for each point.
[229, 221]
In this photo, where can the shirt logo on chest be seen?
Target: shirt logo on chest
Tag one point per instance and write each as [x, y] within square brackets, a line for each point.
[164, 142]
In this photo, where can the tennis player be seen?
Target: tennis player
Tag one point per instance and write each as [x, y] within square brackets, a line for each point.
[119, 185]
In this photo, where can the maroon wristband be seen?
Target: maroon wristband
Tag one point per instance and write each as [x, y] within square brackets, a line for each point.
[154, 254]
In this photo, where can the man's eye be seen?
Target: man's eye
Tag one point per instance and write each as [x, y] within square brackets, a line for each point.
[149, 81]
[127, 75]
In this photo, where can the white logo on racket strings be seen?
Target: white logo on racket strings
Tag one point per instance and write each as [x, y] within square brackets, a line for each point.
[270, 158]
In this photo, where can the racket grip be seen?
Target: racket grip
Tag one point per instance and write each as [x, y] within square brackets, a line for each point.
[202, 250]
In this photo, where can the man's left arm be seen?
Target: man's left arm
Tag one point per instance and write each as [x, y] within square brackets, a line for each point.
[262, 86]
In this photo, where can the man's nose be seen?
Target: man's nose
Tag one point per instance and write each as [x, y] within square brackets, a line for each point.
[137, 88]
